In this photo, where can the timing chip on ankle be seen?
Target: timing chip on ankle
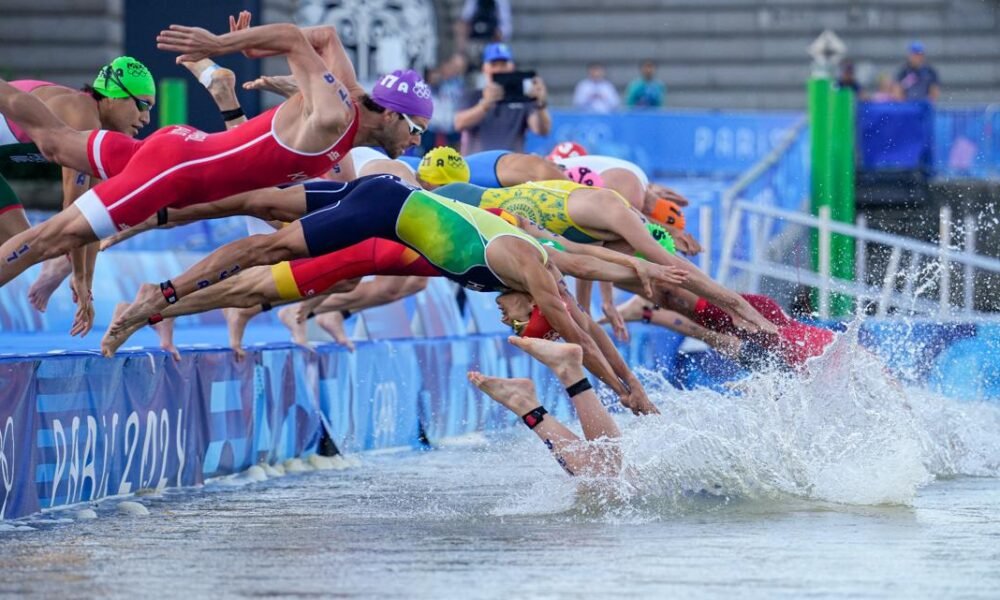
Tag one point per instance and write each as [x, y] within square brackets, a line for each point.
[533, 418]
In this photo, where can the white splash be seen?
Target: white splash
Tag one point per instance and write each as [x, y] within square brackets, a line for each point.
[844, 431]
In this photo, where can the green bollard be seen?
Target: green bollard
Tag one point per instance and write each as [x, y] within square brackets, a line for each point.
[172, 101]
[821, 184]
[842, 206]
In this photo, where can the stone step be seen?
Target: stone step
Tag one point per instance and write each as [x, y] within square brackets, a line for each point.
[37, 29]
[739, 50]
[742, 22]
[24, 60]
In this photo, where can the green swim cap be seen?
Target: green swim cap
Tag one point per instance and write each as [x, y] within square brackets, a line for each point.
[662, 237]
[552, 244]
[128, 72]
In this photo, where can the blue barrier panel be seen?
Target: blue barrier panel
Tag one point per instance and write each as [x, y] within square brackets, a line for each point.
[895, 135]
[668, 142]
[77, 427]
[966, 143]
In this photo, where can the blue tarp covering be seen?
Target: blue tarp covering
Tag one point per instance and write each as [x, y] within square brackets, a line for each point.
[895, 136]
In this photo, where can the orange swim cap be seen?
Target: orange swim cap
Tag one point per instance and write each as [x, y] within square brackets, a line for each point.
[668, 212]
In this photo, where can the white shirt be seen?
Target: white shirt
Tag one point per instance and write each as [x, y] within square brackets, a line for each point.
[595, 96]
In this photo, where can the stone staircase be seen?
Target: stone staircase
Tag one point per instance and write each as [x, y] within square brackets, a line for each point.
[751, 53]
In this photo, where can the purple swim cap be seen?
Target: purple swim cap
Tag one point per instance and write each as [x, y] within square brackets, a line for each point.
[404, 92]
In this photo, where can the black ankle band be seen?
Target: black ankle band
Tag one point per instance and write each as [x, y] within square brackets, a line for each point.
[647, 313]
[345, 313]
[169, 292]
[579, 387]
[310, 315]
[230, 115]
[265, 306]
[535, 417]
[161, 217]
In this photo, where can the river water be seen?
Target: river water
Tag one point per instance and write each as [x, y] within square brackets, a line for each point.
[841, 483]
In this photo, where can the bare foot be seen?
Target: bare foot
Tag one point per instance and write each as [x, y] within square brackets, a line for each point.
[111, 343]
[518, 395]
[287, 316]
[236, 320]
[54, 271]
[302, 310]
[147, 302]
[165, 329]
[561, 358]
[221, 82]
[333, 323]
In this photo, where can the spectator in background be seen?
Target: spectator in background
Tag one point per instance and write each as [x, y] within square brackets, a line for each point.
[595, 93]
[917, 80]
[488, 122]
[482, 22]
[848, 80]
[646, 91]
[448, 90]
[886, 91]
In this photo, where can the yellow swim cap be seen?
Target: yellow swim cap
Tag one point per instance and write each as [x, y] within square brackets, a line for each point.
[443, 165]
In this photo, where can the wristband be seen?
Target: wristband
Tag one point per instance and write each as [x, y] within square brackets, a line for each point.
[169, 292]
[231, 115]
[579, 387]
[161, 217]
[533, 418]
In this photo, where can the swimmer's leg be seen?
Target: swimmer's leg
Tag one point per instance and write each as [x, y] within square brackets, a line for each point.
[518, 395]
[566, 361]
[637, 307]
[253, 287]
[221, 85]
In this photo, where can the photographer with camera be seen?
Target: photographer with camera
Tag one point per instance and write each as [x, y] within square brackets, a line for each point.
[511, 101]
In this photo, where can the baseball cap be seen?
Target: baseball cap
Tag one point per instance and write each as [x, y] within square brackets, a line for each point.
[122, 76]
[443, 165]
[497, 52]
[404, 92]
[916, 47]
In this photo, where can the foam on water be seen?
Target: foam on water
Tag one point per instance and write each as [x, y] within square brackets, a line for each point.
[845, 431]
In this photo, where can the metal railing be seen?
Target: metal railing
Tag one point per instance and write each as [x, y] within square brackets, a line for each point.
[931, 262]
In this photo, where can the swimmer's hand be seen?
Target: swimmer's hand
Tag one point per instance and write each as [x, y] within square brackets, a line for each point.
[667, 194]
[637, 401]
[283, 85]
[652, 273]
[194, 43]
[241, 22]
[615, 319]
[83, 320]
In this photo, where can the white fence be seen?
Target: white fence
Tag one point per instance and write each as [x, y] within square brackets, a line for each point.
[926, 286]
